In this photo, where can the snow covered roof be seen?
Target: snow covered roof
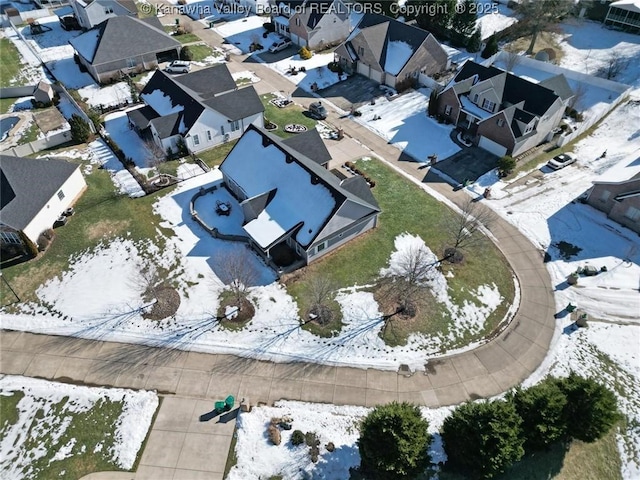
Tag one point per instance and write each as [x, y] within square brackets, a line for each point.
[623, 171]
[303, 196]
[398, 54]
[630, 5]
[190, 94]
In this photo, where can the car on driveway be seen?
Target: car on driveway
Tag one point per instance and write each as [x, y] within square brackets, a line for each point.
[561, 161]
[317, 111]
[178, 66]
[280, 45]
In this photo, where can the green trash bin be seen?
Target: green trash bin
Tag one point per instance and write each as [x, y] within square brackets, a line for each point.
[220, 406]
[229, 402]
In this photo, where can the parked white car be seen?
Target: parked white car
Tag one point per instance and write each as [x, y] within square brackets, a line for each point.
[178, 66]
[280, 45]
[561, 161]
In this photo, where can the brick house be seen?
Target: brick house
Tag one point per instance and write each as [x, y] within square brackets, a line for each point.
[501, 112]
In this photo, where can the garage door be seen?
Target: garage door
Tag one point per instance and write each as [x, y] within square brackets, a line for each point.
[363, 69]
[376, 76]
[493, 147]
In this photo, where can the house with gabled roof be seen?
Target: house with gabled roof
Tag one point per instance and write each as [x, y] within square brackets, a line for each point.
[501, 112]
[122, 45]
[617, 193]
[93, 12]
[391, 52]
[34, 193]
[202, 109]
[291, 202]
[314, 24]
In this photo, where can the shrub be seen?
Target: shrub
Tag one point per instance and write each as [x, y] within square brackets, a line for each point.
[330, 447]
[474, 42]
[186, 54]
[335, 67]
[591, 409]
[432, 107]
[305, 53]
[483, 439]
[274, 434]
[394, 442]
[491, 48]
[269, 27]
[541, 408]
[297, 438]
[80, 131]
[506, 164]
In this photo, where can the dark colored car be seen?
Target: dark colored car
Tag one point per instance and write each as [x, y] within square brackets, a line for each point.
[317, 111]
[70, 22]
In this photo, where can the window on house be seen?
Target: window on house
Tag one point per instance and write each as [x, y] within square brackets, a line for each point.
[10, 237]
[488, 105]
[108, 10]
[298, 21]
[209, 135]
[447, 110]
[321, 246]
[632, 214]
[500, 122]
[604, 196]
[475, 98]
[221, 129]
[131, 62]
[360, 51]
[529, 128]
[235, 125]
[60, 195]
[196, 140]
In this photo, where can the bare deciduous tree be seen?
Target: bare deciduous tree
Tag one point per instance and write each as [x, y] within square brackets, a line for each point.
[155, 154]
[615, 63]
[540, 15]
[321, 291]
[513, 60]
[579, 92]
[238, 272]
[463, 231]
[407, 280]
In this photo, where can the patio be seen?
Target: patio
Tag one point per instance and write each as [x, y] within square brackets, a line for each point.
[227, 221]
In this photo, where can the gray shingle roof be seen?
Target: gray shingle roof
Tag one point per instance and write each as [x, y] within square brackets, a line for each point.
[124, 37]
[310, 143]
[208, 82]
[141, 117]
[27, 186]
[168, 125]
[237, 104]
[559, 86]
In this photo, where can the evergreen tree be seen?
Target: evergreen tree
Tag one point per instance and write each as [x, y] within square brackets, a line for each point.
[436, 19]
[483, 439]
[394, 442]
[475, 41]
[463, 22]
[541, 408]
[80, 130]
[432, 108]
[591, 408]
[491, 48]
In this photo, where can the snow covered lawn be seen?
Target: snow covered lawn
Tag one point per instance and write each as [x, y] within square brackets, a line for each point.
[403, 121]
[241, 33]
[117, 126]
[493, 17]
[316, 70]
[112, 95]
[63, 430]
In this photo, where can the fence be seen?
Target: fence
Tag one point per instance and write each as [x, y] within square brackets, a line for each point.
[60, 90]
[35, 14]
[40, 144]
[429, 82]
[15, 92]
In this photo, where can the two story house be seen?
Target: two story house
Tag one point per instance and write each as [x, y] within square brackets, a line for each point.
[501, 112]
[93, 12]
[202, 109]
[314, 24]
[391, 52]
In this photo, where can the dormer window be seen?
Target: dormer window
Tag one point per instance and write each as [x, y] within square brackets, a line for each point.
[108, 10]
[488, 105]
[529, 128]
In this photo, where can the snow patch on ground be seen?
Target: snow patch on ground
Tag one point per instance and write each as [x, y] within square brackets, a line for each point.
[42, 396]
[317, 73]
[113, 95]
